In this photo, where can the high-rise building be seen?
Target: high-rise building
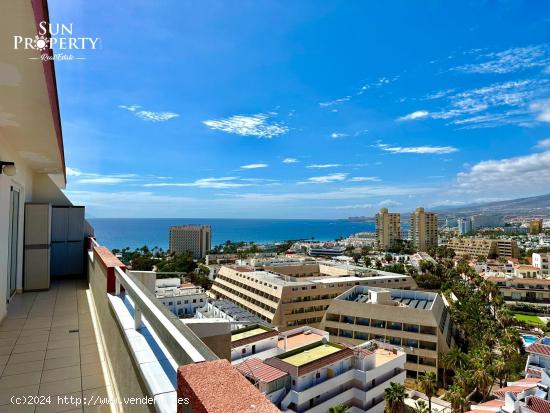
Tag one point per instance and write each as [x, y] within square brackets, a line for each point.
[487, 221]
[195, 239]
[464, 226]
[388, 228]
[423, 231]
[535, 226]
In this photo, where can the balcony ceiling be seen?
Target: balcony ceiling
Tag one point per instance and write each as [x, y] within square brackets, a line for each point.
[28, 112]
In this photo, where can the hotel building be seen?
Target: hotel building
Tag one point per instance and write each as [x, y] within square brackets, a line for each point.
[182, 299]
[415, 320]
[195, 239]
[522, 290]
[287, 296]
[535, 226]
[388, 228]
[423, 229]
[484, 247]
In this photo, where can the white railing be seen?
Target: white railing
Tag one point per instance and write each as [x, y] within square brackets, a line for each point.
[184, 346]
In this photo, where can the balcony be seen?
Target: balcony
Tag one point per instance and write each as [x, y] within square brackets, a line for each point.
[107, 337]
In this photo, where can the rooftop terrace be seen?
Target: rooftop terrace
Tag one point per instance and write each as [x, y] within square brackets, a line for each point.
[420, 300]
[239, 335]
[309, 355]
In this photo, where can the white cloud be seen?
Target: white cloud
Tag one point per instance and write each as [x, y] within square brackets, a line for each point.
[435, 150]
[334, 102]
[249, 125]
[148, 115]
[76, 176]
[376, 84]
[543, 110]
[326, 179]
[507, 175]
[336, 135]
[290, 160]
[388, 203]
[254, 166]
[415, 115]
[215, 183]
[364, 179]
[323, 165]
[506, 103]
[544, 143]
[509, 61]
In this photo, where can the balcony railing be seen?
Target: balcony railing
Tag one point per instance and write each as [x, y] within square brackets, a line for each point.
[152, 354]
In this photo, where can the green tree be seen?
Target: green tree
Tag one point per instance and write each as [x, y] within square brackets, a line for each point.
[179, 262]
[394, 397]
[427, 383]
[339, 408]
[456, 396]
[420, 407]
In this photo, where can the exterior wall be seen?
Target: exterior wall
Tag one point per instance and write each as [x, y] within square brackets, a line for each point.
[126, 374]
[196, 239]
[484, 247]
[542, 262]
[184, 304]
[388, 228]
[423, 334]
[290, 305]
[23, 180]
[423, 229]
[259, 346]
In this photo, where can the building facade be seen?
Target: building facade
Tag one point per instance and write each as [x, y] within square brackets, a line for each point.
[541, 260]
[182, 299]
[423, 229]
[484, 247]
[294, 295]
[418, 321]
[196, 239]
[388, 228]
[464, 226]
[535, 226]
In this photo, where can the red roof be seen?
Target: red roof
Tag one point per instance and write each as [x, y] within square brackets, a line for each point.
[534, 372]
[257, 369]
[500, 393]
[538, 405]
[492, 403]
[539, 348]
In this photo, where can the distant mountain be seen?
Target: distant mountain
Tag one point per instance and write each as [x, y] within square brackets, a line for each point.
[534, 205]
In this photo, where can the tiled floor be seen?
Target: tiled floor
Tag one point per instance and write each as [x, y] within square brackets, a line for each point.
[48, 348]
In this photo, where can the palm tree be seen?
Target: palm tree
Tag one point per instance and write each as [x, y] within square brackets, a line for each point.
[339, 408]
[428, 385]
[456, 396]
[455, 359]
[420, 407]
[395, 398]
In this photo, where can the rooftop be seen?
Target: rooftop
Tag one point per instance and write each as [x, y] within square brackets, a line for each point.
[258, 370]
[299, 340]
[309, 355]
[419, 300]
[239, 334]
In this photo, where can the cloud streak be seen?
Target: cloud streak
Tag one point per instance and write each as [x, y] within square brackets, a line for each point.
[424, 150]
[258, 125]
[148, 115]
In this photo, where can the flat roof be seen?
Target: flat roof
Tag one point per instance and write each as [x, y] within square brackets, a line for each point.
[310, 355]
[419, 300]
[382, 356]
[299, 340]
[246, 334]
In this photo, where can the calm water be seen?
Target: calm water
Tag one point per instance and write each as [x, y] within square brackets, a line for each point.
[136, 232]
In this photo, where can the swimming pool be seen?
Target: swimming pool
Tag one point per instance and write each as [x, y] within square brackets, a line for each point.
[528, 339]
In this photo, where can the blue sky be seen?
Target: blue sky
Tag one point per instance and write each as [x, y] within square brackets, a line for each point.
[304, 109]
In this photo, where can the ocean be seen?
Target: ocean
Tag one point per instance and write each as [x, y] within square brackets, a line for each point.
[136, 232]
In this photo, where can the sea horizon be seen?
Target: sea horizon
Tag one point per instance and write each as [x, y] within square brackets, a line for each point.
[136, 232]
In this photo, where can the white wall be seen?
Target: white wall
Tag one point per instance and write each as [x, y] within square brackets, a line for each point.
[23, 179]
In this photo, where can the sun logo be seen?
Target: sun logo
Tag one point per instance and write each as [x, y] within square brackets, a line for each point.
[41, 42]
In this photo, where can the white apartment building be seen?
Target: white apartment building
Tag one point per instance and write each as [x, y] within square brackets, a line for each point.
[182, 299]
[196, 239]
[300, 371]
[541, 261]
